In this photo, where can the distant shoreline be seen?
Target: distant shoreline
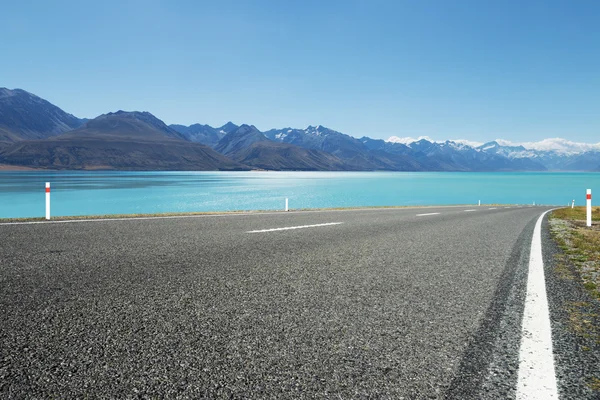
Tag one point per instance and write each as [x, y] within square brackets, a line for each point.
[103, 217]
[6, 167]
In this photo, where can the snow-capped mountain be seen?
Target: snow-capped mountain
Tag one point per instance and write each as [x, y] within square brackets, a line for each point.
[343, 146]
[408, 140]
[33, 131]
[422, 154]
[558, 145]
[555, 154]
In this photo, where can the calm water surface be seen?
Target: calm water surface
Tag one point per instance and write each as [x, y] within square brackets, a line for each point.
[88, 193]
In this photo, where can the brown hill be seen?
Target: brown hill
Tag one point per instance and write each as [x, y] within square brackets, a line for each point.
[122, 140]
[281, 156]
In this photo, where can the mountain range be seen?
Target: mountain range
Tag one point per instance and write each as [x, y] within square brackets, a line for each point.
[35, 133]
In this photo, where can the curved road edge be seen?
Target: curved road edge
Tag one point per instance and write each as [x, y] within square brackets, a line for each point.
[576, 362]
[490, 365]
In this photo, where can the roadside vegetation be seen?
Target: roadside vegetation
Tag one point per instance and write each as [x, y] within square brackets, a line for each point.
[580, 243]
[580, 264]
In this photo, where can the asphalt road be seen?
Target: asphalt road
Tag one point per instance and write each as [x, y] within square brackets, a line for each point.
[387, 303]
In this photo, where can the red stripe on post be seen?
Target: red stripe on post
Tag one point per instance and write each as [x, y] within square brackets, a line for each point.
[47, 190]
[588, 196]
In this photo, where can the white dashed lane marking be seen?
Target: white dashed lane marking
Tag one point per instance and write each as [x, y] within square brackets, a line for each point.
[294, 227]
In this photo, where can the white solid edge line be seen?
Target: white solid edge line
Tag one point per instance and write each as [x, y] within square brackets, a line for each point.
[537, 378]
[422, 215]
[295, 227]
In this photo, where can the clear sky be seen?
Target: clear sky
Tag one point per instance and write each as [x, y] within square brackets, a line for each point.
[478, 70]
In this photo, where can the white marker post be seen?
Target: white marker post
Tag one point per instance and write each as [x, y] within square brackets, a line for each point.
[47, 200]
[573, 204]
[480, 202]
[588, 197]
[286, 204]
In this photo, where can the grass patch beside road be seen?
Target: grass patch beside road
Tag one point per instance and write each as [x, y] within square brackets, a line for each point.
[576, 214]
[579, 263]
[580, 243]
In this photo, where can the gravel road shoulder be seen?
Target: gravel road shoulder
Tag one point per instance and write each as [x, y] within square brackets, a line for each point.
[574, 313]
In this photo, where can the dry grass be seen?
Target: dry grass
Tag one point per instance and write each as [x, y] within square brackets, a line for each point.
[580, 244]
[594, 384]
[580, 259]
[581, 320]
[576, 214]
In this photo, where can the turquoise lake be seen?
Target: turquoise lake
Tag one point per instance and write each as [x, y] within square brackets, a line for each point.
[88, 193]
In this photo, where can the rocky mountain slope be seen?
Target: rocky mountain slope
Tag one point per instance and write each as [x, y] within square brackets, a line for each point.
[121, 140]
[26, 116]
[204, 134]
[35, 133]
[249, 146]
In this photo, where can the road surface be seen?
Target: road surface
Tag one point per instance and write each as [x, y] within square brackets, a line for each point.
[383, 303]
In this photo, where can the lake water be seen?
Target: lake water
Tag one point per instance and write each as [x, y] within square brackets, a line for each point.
[88, 193]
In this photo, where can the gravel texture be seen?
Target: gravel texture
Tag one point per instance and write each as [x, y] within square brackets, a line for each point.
[575, 317]
[386, 305]
[490, 366]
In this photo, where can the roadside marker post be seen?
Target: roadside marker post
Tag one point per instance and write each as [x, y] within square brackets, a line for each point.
[588, 197]
[479, 202]
[48, 200]
[573, 204]
[286, 204]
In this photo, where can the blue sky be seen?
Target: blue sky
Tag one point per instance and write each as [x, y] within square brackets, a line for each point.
[477, 70]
